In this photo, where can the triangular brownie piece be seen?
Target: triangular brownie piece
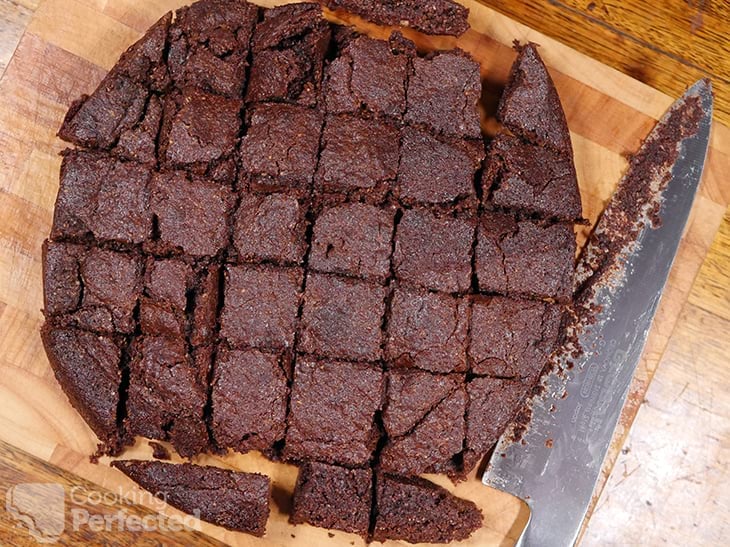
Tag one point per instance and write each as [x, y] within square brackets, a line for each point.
[234, 500]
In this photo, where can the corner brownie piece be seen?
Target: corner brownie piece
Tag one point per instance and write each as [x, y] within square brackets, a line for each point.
[369, 75]
[443, 93]
[289, 45]
[333, 497]
[237, 501]
[260, 306]
[435, 170]
[332, 412]
[103, 198]
[341, 318]
[524, 257]
[192, 214]
[428, 331]
[280, 149]
[512, 338]
[249, 396]
[353, 239]
[418, 511]
[530, 178]
[358, 157]
[270, 228]
[434, 251]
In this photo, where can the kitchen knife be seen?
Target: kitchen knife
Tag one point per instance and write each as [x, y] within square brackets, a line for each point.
[555, 466]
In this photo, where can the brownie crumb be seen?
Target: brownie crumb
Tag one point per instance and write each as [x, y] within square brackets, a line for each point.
[159, 451]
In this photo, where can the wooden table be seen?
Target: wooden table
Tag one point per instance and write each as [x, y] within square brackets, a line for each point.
[670, 468]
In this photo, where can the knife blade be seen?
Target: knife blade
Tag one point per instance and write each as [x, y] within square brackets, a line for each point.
[555, 466]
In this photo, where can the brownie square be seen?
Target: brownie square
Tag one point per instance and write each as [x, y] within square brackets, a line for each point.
[369, 75]
[443, 93]
[166, 397]
[139, 142]
[435, 170]
[249, 397]
[91, 288]
[103, 198]
[353, 239]
[270, 228]
[531, 178]
[329, 496]
[163, 308]
[279, 151]
[260, 306]
[358, 157]
[427, 331]
[341, 318]
[332, 412]
[512, 338]
[289, 46]
[191, 214]
[434, 252]
[525, 257]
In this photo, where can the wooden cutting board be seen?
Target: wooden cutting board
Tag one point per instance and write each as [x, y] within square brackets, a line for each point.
[68, 46]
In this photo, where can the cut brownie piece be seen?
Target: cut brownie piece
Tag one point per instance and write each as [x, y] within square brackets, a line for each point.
[191, 214]
[91, 288]
[434, 251]
[87, 366]
[260, 306]
[118, 104]
[419, 511]
[209, 44]
[289, 46]
[342, 318]
[353, 239]
[162, 310]
[369, 75]
[237, 501]
[443, 93]
[524, 257]
[102, 197]
[205, 305]
[493, 404]
[332, 412]
[167, 394]
[434, 442]
[531, 178]
[270, 228]
[435, 170]
[427, 331]
[358, 157]
[139, 143]
[249, 396]
[279, 151]
[512, 338]
[430, 16]
[530, 106]
[333, 497]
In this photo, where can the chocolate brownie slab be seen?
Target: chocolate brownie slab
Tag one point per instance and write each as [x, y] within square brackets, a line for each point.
[88, 368]
[249, 396]
[333, 497]
[353, 239]
[260, 306]
[434, 251]
[524, 257]
[512, 338]
[103, 198]
[332, 412]
[419, 511]
[529, 178]
[427, 330]
[341, 318]
[289, 46]
[237, 501]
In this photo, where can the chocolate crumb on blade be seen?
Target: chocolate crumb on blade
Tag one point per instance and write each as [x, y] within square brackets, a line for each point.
[237, 501]
[428, 16]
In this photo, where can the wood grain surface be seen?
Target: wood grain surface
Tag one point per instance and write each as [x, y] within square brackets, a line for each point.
[679, 438]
